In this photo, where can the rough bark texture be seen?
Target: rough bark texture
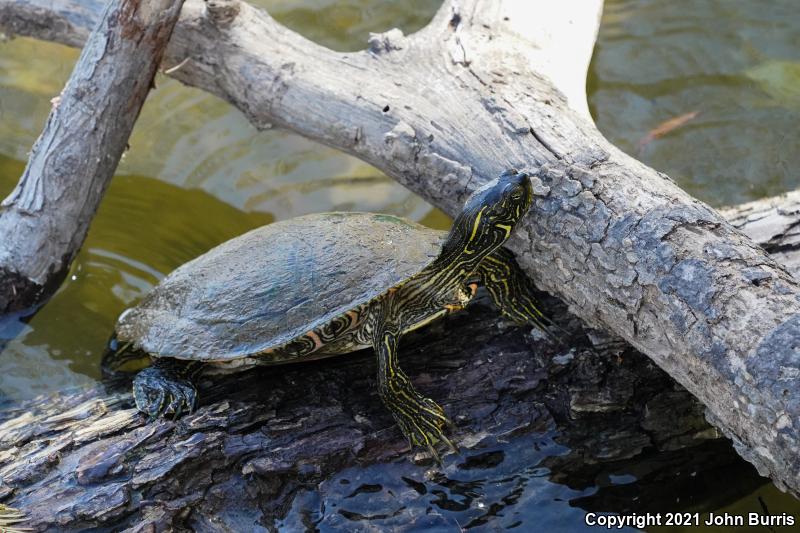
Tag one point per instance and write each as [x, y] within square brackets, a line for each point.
[447, 108]
[444, 110]
[45, 219]
[261, 439]
[87, 459]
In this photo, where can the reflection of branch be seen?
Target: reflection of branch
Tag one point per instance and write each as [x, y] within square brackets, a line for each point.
[666, 127]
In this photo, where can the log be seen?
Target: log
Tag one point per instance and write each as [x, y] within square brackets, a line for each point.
[477, 91]
[265, 445]
[263, 441]
[44, 221]
[774, 223]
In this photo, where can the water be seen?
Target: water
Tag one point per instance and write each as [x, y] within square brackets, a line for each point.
[734, 62]
[198, 174]
[503, 488]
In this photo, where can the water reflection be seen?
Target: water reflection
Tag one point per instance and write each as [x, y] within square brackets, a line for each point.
[534, 483]
[502, 488]
[737, 63]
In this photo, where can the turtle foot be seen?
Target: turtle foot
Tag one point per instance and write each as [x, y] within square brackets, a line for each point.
[423, 421]
[160, 392]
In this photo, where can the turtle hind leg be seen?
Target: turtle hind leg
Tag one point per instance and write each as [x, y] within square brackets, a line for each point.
[166, 388]
[421, 419]
[513, 292]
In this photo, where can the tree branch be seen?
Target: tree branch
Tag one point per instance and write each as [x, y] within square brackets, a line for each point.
[45, 219]
[619, 242]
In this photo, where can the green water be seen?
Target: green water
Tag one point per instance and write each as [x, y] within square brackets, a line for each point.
[735, 62]
[197, 173]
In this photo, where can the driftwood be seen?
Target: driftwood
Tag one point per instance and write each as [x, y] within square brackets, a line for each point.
[774, 223]
[45, 219]
[264, 440]
[87, 459]
[480, 89]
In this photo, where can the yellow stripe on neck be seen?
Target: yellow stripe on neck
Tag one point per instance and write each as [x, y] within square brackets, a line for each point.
[475, 225]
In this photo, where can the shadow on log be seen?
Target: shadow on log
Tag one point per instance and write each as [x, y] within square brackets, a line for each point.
[624, 247]
[87, 459]
[284, 445]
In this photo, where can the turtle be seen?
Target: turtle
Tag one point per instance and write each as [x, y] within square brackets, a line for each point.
[326, 284]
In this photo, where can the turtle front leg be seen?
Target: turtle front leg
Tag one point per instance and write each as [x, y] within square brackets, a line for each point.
[420, 419]
[167, 387]
[512, 291]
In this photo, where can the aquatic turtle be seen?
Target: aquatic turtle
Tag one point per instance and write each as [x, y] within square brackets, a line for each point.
[327, 284]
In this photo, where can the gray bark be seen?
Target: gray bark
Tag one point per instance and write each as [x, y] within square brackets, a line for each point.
[45, 219]
[86, 459]
[449, 107]
[774, 223]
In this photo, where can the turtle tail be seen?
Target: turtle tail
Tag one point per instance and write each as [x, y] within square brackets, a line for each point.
[121, 360]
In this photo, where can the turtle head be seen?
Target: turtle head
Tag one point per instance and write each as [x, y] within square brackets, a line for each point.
[492, 211]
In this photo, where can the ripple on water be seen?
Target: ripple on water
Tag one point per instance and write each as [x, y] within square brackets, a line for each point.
[502, 487]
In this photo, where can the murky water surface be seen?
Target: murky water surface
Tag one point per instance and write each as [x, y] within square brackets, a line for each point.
[733, 63]
[706, 91]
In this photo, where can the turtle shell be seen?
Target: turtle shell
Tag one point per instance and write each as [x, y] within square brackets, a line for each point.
[275, 283]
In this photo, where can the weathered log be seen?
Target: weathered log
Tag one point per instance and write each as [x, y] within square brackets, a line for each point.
[87, 459]
[45, 219]
[447, 108]
[774, 223]
[262, 440]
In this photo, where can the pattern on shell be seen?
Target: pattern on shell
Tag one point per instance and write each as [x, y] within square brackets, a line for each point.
[275, 283]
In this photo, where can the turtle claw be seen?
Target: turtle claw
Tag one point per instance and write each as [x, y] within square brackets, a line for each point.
[453, 448]
[158, 392]
[423, 423]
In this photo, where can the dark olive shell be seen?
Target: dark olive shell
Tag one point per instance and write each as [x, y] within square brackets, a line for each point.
[266, 287]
